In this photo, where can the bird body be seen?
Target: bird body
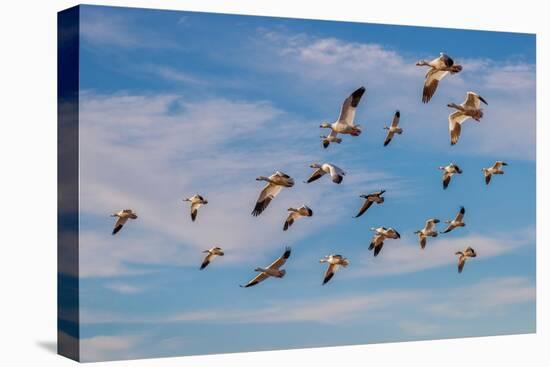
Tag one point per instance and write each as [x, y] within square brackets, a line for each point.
[336, 173]
[196, 202]
[273, 270]
[457, 222]
[496, 169]
[375, 197]
[448, 172]
[294, 214]
[275, 184]
[211, 254]
[470, 108]
[346, 120]
[439, 68]
[380, 235]
[429, 230]
[122, 217]
[334, 262]
[463, 256]
[393, 128]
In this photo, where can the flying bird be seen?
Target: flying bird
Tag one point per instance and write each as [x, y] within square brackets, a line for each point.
[457, 222]
[463, 256]
[272, 270]
[439, 68]
[381, 234]
[196, 202]
[123, 217]
[496, 169]
[275, 184]
[393, 129]
[345, 123]
[334, 262]
[212, 253]
[470, 108]
[294, 214]
[336, 173]
[429, 230]
[375, 197]
[448, 172]
[331, 138]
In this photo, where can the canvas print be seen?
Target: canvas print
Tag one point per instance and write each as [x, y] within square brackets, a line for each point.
[233, 183]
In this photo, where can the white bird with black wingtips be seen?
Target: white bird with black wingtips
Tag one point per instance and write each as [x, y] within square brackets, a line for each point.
[374, 197]
[429, 230]
[273, 270]
[463, 256]
[211, 254]
[336, 173]
[457, 222]
[275, 184]
[448, 172]
[346, 121]
[393, 128]
[496, 169]
[334, 263]
[470, 108]
[439, 68]
[296, 213]
[123, 217]
[196, 202]
[380, 235]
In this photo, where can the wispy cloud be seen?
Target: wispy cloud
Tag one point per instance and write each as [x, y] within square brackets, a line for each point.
[476, 300]
[404, 256]
[206, 144]
[103, 28]
[393, 81]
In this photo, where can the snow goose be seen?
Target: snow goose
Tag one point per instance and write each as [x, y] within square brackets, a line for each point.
[463, 256]
[123, 217]
[336, 173]
[429, 230]
[212, 253]
[331, 138]
[457, 222]
[196, 202]
[471, 107]
[272, 270]
[334, 262]
[375, 197]
[381, 234]
[275, 184]
[393, 129]
[439, 68]
[496, 169]
[345, 123]
[294, 214]
[448, 172]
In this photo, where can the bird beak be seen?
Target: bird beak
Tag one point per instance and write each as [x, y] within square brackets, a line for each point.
[482, 100]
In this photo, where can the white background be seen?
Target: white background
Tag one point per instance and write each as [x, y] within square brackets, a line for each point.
[28, 184]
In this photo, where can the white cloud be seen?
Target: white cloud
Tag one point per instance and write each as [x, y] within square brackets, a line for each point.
[124, 288]
[404, 256]
[101, 28]
[394, 82]
[147, 152]
[486, 297]
[103, 347]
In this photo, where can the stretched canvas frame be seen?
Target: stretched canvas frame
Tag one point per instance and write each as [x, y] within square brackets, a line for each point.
[200, 105]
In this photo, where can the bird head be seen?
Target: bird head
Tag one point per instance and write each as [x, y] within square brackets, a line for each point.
[325, 125]
[315, 165]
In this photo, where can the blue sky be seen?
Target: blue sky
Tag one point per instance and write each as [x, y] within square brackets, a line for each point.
[177, 103]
